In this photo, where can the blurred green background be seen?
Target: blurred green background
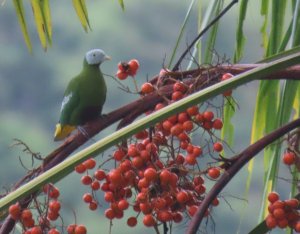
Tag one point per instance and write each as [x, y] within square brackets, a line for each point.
[32, 86]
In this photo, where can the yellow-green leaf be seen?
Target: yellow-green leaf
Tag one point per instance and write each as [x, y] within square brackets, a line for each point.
[18, 4]
[121, 2]
[240, 38]
[264, 12]
[39, 20]
[81, 10]
[47, 19]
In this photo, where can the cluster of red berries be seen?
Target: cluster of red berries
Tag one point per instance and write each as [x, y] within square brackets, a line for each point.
[126, 69]
[289, 158]
[283, 214]
[30, 226]
[152, 175]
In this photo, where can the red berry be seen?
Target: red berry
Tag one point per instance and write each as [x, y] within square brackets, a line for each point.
[150, 174]
[213, 172]
[297, 226]
[192, 210]
[93, 205]
[89, 163]
[54, 206]
[100, 174]
[80, 229]
[133, 67]
[80, 168]
[15, 211]
[115, 176]
[273, 197]
[194, 110]
[119, 155]
[146, 208]
[289, 158]
[165, 176]
[121, 75]
[132, 221]
[225, 77]
[87, 197]
[123, 204]
[179, 86]
[177, 217]
[182, 196]
[164, 216]
[271, 222]
[278, 213]
[53, 231]
[71, 228]
[293, 203]
[147, 88]
[188, 125]
[177, 95]
[36, 230]
[95, 185]
[148, 220]
[218, 147]
[197, 151]
[86, 180]
[52, 215]
[208, 115]
[26, 214]
[176, 129]
[217, 124]
[109, 196]
[190, 159]
[109, 213]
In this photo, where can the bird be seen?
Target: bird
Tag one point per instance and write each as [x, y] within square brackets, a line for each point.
[84, 96]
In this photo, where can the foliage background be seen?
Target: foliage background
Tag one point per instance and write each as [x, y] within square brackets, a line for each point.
[31, 87]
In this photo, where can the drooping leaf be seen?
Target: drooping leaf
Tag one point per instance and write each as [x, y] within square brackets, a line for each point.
[121, 2]
[81, 10]
[45, 6]
[240, 37]
[227, 132]
[187, 16]
[264, 8]
[18, 4]
[211, 40]
[39, 21]
[278, 16]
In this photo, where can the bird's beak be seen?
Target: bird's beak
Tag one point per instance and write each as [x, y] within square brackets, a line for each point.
[107, 57]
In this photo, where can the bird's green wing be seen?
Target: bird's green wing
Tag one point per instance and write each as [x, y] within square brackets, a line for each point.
[70, 103]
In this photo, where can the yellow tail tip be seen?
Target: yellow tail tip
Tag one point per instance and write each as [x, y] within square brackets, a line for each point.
[62, 131]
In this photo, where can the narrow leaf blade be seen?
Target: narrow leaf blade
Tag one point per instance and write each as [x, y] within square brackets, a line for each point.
[39, 21]
[18, 4]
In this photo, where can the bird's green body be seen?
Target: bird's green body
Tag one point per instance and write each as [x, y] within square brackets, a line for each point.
[83, 99]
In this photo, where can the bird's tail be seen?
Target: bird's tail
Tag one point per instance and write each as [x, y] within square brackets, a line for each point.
[62, 131]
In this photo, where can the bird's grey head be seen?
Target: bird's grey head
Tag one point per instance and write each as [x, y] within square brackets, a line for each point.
[96, 57]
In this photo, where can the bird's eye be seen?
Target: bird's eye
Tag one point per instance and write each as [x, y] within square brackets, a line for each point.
[94, 55]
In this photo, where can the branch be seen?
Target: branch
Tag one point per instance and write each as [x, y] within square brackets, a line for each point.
[238, 162]
[205, 77]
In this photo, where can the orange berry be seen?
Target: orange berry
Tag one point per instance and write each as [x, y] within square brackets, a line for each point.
[273, 197]
[218, 147]
[289, 158]
[80, 229]
[213, 172]
[121, 75]
[132, 221]
[148, 220]
[15, 211]
[271, 222]
[147, 88]
[133, 67]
